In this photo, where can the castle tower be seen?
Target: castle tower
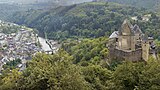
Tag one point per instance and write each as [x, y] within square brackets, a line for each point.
[126, 38]
[129, 43]
[145, 48]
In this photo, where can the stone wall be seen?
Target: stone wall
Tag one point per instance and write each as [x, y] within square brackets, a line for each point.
[145, 50]
[126, 42]
[133, 56]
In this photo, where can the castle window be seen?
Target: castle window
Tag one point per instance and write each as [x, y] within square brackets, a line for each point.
[116, 39]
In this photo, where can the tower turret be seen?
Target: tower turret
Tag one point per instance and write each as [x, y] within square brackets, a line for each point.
[145, 48]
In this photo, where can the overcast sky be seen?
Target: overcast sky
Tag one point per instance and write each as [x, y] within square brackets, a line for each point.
[24, 1]
[33, 1]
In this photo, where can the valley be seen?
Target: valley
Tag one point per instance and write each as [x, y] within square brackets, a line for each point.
[79, 45]
[97, 19]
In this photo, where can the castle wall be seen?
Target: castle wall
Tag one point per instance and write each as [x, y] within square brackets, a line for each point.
[137, 37]
[126, 42]
[133, 56]
[131, 44]
[123, 42]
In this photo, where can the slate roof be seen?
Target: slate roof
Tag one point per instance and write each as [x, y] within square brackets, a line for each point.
[136, 29]
[114, 35]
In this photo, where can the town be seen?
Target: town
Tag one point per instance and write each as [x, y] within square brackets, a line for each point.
[19, 42]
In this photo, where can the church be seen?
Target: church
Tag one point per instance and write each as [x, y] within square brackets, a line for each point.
[129, 43]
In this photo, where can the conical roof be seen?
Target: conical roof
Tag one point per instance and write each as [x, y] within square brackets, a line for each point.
[126, 28]
[126, 21]
[136, 29]
[114, 35]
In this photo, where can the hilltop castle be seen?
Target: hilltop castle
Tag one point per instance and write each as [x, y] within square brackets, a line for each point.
[129, 43]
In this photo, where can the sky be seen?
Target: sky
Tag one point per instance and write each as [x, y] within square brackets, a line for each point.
[34, 1]
[25, 1]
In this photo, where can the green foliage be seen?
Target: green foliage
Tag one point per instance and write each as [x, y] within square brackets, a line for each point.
[157, 42]
[83, 66]
[93, 50]
[97, 76]
[57, 72]
[92, 19]
[12, 64]
[8, 9]
[151, 28]
[8, 28]
[47, 72]
[127, 75]
[139, 76]
[9, 82]
[149, 4]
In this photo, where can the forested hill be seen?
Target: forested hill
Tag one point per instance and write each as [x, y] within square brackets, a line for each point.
[92, 19]
[149, 4]
[8, 9]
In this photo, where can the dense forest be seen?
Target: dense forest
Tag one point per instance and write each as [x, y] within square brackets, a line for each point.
[75, 67]
[149, 4]
[8, 9]
[93, 19]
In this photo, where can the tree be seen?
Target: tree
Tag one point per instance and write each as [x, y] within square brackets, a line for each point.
[97, 77]
[10, 81]
[126, 76]
[53, 72]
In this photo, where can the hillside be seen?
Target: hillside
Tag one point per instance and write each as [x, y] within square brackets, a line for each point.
[148, 4]
[84, 59]
[92, 19]
[8, 9]
[84, 69]
[24, 1]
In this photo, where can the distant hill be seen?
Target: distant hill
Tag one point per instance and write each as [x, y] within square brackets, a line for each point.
[92, 19]
[60, 2]
[24, 1]
[8, 9]
[148, 4]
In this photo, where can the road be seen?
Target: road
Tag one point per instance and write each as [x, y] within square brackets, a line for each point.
[45, 46]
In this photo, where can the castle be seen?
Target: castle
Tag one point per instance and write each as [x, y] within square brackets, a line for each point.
[129, 43]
